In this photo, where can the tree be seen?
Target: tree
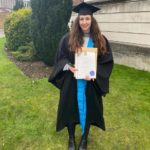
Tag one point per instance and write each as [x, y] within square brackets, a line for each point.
[18, 5]
[49, 23]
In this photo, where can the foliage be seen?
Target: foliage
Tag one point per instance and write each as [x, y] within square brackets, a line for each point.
[25, 53]
[49, 22]
[23, 49]
[17, 28]
[18, 5]
[28, 109]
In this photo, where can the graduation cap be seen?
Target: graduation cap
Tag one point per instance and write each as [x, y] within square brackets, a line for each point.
[85, 9]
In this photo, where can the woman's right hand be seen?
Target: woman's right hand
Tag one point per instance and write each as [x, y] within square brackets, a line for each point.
[72, 69]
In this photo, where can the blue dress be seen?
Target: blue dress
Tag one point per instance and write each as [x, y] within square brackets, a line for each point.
[81, 96]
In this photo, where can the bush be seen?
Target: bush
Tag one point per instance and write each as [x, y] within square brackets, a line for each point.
[25, 53]
[22, 56]
[17, 28]
[23, 49]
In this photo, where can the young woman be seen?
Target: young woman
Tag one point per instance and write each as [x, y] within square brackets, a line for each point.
[88, 92]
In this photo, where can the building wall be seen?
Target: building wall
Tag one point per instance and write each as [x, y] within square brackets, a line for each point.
[26, 3]
[127, 22]
[7, 4]
[127, 26]
[75, 2]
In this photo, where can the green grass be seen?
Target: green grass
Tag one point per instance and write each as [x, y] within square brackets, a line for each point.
[28, 112]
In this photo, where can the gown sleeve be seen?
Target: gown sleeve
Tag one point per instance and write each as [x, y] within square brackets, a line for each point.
[57, 75]
[104, 69]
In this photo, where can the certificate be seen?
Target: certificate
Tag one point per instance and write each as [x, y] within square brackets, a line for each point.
[86, 63]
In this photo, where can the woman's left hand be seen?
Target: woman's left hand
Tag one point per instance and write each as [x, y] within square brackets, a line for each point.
[88, 78]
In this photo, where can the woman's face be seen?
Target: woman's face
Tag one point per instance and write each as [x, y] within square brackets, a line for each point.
[85, 23]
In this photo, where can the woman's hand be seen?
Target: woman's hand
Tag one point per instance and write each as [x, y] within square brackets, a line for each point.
[72, 69]
[88, 78]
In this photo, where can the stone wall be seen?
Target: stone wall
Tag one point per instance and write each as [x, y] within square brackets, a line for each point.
[126, 22]
[131, 55]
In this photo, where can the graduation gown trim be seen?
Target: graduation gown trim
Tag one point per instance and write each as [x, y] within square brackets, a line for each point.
[81, 97]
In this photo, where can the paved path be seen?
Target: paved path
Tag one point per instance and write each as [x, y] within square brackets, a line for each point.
[1, 33]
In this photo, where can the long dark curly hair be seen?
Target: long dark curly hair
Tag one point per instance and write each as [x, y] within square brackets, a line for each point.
[76, 37]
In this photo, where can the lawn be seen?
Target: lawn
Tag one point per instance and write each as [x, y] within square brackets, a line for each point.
[28, 111]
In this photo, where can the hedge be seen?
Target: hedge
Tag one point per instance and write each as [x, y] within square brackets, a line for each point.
[17, 28]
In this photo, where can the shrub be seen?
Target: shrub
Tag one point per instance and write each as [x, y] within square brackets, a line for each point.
[22, 56]
[23, 49]
[17, 28]
[25, 53]
[49, 22]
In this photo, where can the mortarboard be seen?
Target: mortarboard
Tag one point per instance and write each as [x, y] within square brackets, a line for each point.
[85, 9]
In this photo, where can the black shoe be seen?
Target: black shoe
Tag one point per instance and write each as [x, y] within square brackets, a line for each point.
[71, 144]
[83, 145]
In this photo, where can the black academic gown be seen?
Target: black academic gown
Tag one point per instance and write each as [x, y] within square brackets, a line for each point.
[65, 81]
